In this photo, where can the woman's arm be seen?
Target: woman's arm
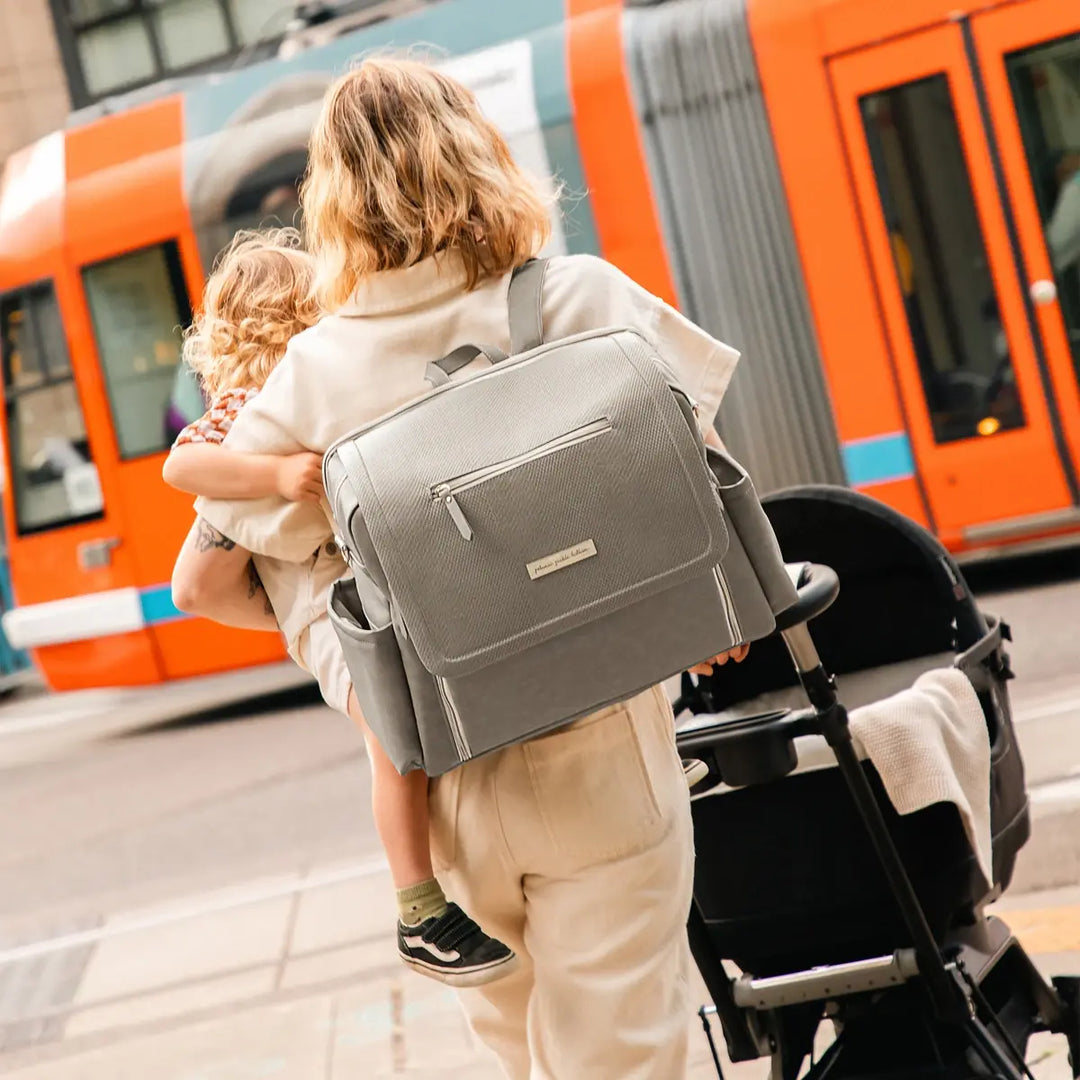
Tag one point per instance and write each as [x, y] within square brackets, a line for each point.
[216, 579]
[216, 472]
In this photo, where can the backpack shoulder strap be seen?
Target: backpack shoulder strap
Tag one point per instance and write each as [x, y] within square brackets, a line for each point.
[526, 305]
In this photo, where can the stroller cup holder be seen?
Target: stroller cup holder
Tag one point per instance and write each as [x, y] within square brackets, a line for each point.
[757, 749]
[751, 750]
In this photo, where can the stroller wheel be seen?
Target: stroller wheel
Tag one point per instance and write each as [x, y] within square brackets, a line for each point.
[1068, 988]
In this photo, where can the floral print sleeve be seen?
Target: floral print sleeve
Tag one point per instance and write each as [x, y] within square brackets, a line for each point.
[218, 419]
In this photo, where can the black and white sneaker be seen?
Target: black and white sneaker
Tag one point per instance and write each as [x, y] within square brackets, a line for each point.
[454, 950]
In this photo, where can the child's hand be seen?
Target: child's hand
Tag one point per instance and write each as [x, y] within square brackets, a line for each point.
[738, 654]
[299, 477]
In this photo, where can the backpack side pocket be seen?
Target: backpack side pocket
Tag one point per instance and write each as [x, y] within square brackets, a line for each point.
[378, 674]
[755, 533]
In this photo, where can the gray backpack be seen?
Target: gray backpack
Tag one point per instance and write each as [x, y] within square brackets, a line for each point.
[538, 540]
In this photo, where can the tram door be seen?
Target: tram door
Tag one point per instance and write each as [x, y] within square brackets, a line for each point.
[964, 148]
[139, 274]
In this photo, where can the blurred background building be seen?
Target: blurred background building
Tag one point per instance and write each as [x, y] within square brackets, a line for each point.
[62, 55]
[112, 46]
[33, 86]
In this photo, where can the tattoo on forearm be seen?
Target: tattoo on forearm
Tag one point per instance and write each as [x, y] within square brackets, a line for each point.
[255, 586]
[209, 538]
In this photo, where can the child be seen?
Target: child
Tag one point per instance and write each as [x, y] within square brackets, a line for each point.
[256, 299]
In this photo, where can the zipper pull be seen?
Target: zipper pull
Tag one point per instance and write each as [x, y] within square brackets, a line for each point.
[456, 513]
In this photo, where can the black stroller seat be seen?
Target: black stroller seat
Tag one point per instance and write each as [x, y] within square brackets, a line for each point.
[790, 883]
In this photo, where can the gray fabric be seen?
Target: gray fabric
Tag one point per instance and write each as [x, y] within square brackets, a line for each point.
[756, 536]
[518, 698]
[636, 490]
[536, 541]
[526, 303]
[429, 715]
[378, 675]
[754, 613]
[602, 662]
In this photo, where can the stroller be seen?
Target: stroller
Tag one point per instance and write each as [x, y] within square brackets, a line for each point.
[832, 904]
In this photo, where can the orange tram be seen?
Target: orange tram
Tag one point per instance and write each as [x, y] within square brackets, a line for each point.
[879, 204]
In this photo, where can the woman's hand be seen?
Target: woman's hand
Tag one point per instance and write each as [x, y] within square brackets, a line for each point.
[299, 477]
[738, 654]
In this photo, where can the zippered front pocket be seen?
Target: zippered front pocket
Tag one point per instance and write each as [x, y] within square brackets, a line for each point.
[447, 492]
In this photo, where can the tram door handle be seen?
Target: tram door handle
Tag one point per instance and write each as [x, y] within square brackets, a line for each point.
[1043, 292]
[95, 554]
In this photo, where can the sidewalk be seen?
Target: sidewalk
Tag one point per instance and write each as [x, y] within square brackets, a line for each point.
[386, 1027]
[297, 979]
[294, 979]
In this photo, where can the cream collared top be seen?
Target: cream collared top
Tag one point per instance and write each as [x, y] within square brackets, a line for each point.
[370, 357]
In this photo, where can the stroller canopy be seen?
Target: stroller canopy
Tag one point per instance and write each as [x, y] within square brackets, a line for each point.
[902, 596]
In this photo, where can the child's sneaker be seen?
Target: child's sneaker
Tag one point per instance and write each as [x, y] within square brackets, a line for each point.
[695, 770]
[454, 950]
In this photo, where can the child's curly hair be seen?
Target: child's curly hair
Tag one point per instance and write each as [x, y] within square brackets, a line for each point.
[257, 297]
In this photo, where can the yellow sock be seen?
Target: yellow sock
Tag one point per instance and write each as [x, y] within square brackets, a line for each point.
[420, 902]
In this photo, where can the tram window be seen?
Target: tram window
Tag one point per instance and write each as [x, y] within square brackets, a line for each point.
[186, 403]
[139, 304]
[250, 171]
[190, 31]
[264, 197]
[53, 476]
[1045, 83]
[940, 258]
[116, 53]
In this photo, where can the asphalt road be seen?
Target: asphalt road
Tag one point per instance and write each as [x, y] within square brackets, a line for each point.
[97, 820]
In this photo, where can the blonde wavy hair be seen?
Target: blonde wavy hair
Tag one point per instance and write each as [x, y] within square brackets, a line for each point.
[403, 164]
[257, 297]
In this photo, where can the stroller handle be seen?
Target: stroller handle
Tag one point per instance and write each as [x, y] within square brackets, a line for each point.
[817, 586]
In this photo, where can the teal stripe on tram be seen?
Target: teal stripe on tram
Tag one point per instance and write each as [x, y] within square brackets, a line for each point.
[158, 607]
[878, 459]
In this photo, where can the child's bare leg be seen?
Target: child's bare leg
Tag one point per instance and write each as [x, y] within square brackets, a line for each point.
[434, 938]
[400, 806]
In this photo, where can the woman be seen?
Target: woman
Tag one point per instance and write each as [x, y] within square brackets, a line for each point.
[575, 849]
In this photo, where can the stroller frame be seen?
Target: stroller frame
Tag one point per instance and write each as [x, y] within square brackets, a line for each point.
[778, 1016]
